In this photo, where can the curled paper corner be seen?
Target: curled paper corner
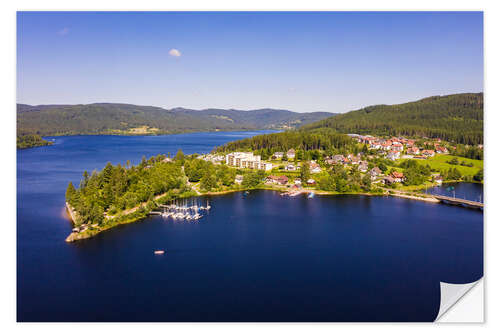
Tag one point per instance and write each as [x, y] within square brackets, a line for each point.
[451, 294]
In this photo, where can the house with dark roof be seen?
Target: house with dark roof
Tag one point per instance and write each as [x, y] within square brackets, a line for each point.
[363, 166]
[374, 173]
[388, 180]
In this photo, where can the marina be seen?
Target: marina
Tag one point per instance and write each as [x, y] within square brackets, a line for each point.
[183, 210]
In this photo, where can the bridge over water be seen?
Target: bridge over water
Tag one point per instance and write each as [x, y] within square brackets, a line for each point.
[440, 198]
[458, 201]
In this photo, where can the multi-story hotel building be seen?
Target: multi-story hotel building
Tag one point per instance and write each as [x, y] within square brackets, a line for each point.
[247, 160]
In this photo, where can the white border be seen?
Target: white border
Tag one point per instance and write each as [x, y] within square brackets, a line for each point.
[8, 77]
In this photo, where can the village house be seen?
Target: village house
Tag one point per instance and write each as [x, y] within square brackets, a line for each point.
[358, 137]
[290, 167]
[297, 181]
[238, 179]
[311, 182]
[314, 167]
[397, 146]
[363, 166]
[441, 150]
[329, 160]
[386, 145]
[374, 173]
[397, 176]
[410, 143]
[413, 151]
[280, 180]
[277, 155]
[167, 160]
[353, 159]
[438, 179]
[290, 154]
[393, 155]
[339, 159]
[428, 153]
[216, 159]
[388, 180]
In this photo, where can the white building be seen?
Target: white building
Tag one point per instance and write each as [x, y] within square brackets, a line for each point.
[314, 168]
[247, 160]
[393, 155]
[278, 155]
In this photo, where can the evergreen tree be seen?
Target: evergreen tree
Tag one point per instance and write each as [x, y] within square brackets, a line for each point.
[70, 192]
[179, 156]
[305, 172]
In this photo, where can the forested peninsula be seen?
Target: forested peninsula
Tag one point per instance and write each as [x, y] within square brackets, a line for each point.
[126, 193]
[30, 141]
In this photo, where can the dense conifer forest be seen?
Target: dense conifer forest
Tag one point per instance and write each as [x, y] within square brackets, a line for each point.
[112, 118]
[457, 118]
[324, 139]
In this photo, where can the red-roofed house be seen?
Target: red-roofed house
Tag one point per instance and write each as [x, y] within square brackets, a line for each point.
[428, 153]
[441, 150]
[397, 146]
[398, 176]
[413, 151]
[282, 180]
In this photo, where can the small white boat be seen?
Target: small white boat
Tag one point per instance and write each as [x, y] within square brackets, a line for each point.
[159, 252]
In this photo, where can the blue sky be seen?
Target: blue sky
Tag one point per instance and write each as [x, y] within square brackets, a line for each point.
[303, 62]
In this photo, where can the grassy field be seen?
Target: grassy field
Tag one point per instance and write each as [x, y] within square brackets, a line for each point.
[439, 162]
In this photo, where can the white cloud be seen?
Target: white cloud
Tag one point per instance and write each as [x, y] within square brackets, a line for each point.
[63, 32]
[174, 53]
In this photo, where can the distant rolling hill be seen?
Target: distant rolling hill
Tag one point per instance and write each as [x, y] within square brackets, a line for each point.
[457, 118]
[113, 118]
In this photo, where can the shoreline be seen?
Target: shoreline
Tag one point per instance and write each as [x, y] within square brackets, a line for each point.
[405, 196]
[163, 133]
[140, 212]
[137, 215]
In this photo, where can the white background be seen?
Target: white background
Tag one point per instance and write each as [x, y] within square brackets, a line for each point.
[8, 153]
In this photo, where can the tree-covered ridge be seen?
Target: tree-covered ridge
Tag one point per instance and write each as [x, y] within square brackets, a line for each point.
[457, 118]
[111, 118]
[29, 141]
[324, 139]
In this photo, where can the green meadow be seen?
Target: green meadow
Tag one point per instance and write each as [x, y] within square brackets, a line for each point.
[440, 162]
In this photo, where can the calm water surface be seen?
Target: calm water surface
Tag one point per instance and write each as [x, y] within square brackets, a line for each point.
[256, 258]
[469, 191]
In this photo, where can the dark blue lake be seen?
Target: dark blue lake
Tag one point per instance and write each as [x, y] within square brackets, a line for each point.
[257, 258]
[469, 191]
